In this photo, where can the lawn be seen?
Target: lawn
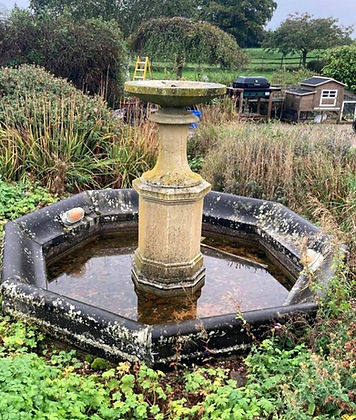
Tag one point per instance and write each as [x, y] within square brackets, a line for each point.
[262, 62]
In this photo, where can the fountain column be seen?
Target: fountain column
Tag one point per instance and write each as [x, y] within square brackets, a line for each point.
[168, 258]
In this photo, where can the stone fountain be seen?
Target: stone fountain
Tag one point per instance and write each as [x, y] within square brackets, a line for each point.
[168, 259]
[57, 260]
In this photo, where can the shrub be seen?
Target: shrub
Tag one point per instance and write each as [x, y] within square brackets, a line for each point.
[91, 53]
[53, 133]
[290, 77]
[341, 65]
[316, 65]
[308, 168]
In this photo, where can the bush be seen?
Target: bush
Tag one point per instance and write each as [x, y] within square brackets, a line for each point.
[317, 65]
[290, 77]
[53, 133]
[341, 65]
[91, 53]
[308, 168]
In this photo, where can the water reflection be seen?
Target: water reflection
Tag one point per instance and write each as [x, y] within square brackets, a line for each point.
[155, 309]
[99, 273]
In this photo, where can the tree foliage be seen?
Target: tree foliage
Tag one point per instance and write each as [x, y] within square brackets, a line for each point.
[181, 40]
[304, 33]
[341, 65]
[90, 53]
[128, 13]
[244, 19]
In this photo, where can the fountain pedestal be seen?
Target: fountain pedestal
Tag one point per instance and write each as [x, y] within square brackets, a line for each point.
[168, 258]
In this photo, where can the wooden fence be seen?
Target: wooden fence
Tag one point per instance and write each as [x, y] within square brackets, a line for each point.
[268, 63]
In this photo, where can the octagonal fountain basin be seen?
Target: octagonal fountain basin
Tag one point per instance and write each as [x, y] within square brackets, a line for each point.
[174, 93]
[74, 279]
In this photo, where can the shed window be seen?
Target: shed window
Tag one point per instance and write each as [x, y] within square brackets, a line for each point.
[328, 97]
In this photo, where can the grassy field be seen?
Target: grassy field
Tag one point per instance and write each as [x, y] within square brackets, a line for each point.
[262, 62]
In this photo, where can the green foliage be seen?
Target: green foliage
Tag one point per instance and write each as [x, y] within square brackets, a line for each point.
[221, 398]
[303, 33]
[52, 132]
[99, 364]
[290, 77]
[19, 199]
[293, 165]
[244, 20]
[300, 383]
[316, 65]
[91, 53]
[18, 337]
[341, 65]
[182, 40]
[128, 14]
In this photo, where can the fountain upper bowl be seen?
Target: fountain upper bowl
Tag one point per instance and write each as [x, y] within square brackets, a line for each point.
[174, 93]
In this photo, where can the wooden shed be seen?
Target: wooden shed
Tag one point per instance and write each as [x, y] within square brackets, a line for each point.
[316, 94]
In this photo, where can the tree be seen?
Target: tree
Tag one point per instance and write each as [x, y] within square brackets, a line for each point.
[128, 13]
[90, 53]
[341, 65]
[181, 39]
[303, 33]
[244, 19]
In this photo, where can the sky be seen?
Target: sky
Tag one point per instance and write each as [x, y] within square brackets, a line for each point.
[344, 10]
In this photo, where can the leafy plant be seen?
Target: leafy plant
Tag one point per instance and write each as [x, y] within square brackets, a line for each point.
[19, 199]
[341, 65]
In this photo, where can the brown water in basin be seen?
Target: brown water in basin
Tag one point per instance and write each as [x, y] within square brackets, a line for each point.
[99, 273]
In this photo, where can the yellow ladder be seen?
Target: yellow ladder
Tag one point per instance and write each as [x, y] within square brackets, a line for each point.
[142, 66]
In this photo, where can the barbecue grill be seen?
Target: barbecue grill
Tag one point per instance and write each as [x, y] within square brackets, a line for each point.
[254, 86]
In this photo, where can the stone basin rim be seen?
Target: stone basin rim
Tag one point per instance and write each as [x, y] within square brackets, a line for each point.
[174, 93]
[175, 87]
[28, 245]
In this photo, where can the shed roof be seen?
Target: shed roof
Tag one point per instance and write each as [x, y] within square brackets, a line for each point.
[319, 80]
[301, 92]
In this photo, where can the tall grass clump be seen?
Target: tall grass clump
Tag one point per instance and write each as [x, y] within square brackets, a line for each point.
[309, 168]
[52, 132]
